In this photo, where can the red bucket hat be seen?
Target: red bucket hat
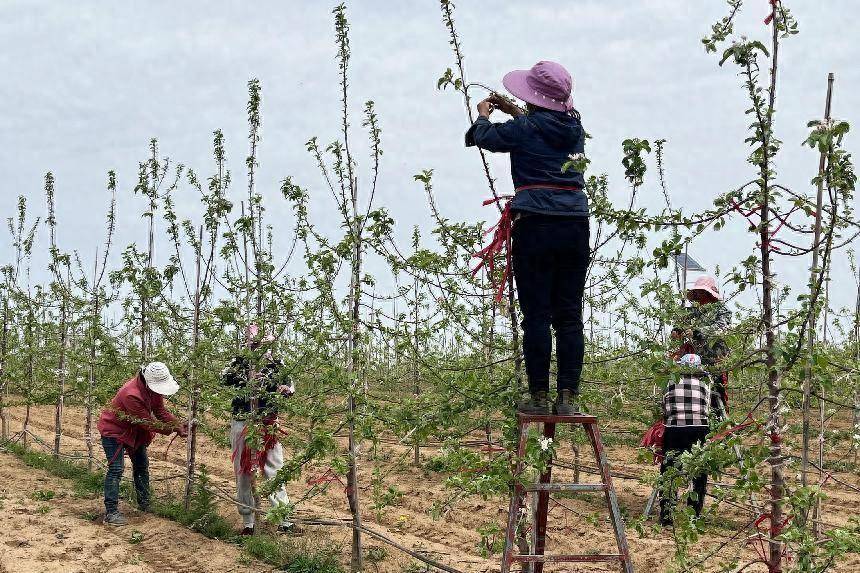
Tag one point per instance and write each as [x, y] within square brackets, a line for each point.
[546, 84]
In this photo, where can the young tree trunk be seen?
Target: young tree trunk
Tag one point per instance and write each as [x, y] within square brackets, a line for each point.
[247, 264]
[61, 371]
[490, 345]
[856, 414]
[144, 299]
[774, 384]
[91, 383]
[88, 424]
[816, 510]
[4, 388]
[28, 334]
[356, 563]
[774, 389]
[515, 330]
[193, 403]
[815, 276]
[448, 19]
[416, 452]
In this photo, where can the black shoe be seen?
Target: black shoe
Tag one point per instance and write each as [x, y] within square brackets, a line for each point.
[566, 404]
[247, 531]
[535, 404]
[116, 519]
[291, 529]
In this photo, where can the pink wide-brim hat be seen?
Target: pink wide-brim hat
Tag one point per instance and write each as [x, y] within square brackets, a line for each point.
[708, 285]
[546, 84]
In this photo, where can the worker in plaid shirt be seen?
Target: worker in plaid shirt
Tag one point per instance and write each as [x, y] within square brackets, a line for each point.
[688, 404]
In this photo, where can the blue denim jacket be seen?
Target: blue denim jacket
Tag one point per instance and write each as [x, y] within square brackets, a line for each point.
[539, 142]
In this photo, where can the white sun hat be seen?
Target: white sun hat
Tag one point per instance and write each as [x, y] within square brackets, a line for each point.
[159, 379]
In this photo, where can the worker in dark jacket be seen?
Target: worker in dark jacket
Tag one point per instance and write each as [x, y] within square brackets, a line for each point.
[128, 424]
[548, 218]
[257, 379]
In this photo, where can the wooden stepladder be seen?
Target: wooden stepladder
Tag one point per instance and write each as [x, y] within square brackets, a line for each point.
[545, 486]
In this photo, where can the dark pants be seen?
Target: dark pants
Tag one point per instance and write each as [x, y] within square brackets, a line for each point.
[677, 440]
[550, 258]
[140, 468]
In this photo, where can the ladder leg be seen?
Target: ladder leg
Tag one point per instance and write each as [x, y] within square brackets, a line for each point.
[649, 505]
[543, 503]
[516, 499]
[611, 499]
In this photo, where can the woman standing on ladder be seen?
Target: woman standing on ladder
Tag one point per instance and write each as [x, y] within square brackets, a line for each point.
[547, 219]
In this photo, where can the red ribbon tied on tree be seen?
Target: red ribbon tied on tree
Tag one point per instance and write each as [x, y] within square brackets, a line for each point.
[769, 18]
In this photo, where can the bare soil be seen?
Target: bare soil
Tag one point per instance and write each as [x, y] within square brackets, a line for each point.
[65, 538]
[64, 534]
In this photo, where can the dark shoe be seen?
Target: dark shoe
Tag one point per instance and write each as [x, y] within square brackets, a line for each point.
[291, 529]
[145, 508]
[116, 519]
[247, 531]
[535, 404]
[566, 404]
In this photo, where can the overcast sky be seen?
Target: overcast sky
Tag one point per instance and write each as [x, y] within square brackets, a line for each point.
[86, 84]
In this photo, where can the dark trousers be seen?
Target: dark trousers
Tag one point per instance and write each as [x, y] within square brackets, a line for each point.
[550, 259]
[115, 451]
[677, 440]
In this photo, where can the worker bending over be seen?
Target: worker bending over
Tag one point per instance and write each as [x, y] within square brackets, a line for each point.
[127, 426]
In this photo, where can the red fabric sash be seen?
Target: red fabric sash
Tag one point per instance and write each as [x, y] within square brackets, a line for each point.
[248, 458]
[501, 240]
[502, 237]
[653, 439]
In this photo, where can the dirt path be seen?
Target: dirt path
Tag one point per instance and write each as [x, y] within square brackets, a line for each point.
[577, 525]
[64, 534]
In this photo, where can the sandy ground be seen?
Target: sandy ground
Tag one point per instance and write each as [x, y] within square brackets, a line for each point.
[65, 535]
[576, 525]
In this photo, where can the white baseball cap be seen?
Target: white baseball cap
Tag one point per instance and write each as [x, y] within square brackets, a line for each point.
[159, 379]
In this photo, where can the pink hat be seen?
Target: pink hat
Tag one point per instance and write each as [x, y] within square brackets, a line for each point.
[252, 335]
[546, 84]
[707, 284]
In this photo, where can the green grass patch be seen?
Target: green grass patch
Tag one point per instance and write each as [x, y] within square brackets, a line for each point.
[58, 467]
[296, 556]
[43, 495]
[136, 537]
[211, 524]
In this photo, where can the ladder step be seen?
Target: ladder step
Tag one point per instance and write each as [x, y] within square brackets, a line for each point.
[567, 558]
[556, 419]
[564, 487]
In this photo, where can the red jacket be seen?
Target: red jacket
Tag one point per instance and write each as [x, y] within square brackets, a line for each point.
[135, 415]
